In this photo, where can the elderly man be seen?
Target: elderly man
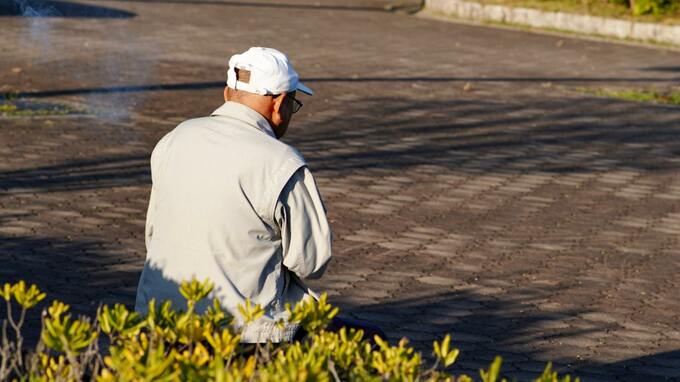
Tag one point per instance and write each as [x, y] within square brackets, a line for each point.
[233, 204]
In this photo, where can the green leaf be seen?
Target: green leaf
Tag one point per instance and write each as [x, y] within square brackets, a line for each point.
[119, 321]
[27, 298]
[195, 291]
[250, 312]
[491, 374]
[6, 291]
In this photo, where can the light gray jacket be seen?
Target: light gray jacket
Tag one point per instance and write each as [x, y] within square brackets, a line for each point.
[233, 204]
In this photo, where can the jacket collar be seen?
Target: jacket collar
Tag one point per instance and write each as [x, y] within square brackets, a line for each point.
[245, 114]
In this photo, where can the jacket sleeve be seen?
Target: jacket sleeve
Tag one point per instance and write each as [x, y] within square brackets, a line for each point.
[150, 212]
[156, 158]
[305, 233]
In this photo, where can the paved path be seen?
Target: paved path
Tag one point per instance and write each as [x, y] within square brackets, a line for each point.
[526, 217]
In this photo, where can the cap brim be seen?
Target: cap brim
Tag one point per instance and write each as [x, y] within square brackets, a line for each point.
[301, 87]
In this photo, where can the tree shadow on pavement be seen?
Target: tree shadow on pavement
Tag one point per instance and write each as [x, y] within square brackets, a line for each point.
[119, 89]
[101, 172]
[313, 80]
[561, 135]
[510, 325]
[56, 8]
[663, 366]
[572, 134]
[82, 273]
[274, 5]
[663, 69]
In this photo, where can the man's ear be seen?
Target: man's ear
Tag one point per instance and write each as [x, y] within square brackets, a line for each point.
[277, 117]
[278, 102]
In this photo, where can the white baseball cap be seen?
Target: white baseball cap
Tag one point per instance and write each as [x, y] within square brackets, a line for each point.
[270, 72]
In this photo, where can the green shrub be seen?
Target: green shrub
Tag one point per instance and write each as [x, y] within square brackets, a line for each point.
[169, 345]
[640, 95]
[653, 7]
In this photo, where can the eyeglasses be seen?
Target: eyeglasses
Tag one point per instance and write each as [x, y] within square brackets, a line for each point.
[297, 105]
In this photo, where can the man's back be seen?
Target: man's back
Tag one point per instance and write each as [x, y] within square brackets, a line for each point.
[216, 212]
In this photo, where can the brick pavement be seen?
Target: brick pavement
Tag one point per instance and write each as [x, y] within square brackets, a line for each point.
[525, 217]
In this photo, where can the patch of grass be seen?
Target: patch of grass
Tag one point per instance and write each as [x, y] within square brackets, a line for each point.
[601, 8]
[23, 109]
[666, 98]
[7, 108]
[9, 96]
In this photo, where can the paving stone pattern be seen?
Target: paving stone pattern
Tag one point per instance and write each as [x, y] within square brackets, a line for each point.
[472, 187]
